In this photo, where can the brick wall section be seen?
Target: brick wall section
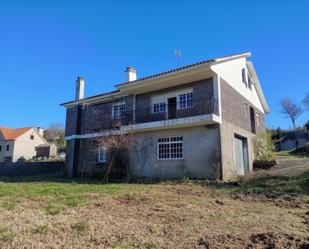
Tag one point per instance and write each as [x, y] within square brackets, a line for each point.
[96, 117]
[70, 123]
[203, 92]
[234, 109]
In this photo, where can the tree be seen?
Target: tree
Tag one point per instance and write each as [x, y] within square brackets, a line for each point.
[55, 134]
[305, 102]
[117, 147]
[263, 147]
[291, 110]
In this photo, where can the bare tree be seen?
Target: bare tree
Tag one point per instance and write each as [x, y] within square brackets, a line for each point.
[116, 147]
[143, 151]
[291, 110]
[305, 101]
[55, 134]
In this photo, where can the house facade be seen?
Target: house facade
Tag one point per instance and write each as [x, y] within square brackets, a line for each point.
[19, 144]
[196, 121]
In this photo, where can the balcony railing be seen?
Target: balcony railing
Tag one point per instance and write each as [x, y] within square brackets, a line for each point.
[145, 115]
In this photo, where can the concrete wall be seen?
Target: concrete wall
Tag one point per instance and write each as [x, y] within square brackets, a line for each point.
[201, 149]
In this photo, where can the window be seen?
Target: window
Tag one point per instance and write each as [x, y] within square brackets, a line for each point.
[159, 107]
[249, 82]
[7, 147]
[119, 111]
[246, 111]
[185, 100]
[32, 137]
[258, 121]
[0, 148]
[102, 155]
[243, 74]
[170, 148]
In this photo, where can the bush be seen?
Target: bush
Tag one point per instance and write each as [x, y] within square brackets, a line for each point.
[264, 147]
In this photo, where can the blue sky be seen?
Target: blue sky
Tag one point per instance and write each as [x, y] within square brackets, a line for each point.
[45, 45]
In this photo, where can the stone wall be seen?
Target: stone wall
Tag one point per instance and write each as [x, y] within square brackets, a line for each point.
[30, 168]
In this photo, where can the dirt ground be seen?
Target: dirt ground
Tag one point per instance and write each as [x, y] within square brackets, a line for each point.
[268, 210]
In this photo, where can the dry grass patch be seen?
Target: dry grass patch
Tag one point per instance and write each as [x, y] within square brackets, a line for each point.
[264, 212]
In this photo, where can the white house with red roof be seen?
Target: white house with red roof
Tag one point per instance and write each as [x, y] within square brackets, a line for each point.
[18, 144]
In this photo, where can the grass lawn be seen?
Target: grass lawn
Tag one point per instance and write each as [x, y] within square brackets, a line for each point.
[267, 209]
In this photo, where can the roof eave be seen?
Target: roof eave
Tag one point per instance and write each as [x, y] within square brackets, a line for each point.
[159, 78]
[207, 63]
[258, 87]
[98, 99]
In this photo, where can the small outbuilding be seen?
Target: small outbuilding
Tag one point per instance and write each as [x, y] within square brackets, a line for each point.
[46, 151]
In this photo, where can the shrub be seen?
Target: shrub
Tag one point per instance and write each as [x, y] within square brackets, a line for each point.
[263, 147]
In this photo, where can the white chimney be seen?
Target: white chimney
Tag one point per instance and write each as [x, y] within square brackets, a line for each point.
[80, 88]
[40, 130]
[130, 74]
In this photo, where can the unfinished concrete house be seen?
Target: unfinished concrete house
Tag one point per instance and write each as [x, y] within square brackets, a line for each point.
[196, 121]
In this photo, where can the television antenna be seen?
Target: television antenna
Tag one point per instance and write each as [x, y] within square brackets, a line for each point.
[177, 54]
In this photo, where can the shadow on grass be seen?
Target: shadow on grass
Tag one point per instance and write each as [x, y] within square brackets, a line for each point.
[55, 177]
[58, 177]
[278, 185]
[294, 153]
[263, 184]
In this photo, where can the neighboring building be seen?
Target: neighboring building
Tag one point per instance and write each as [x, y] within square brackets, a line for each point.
[46, 151]
[197, 120]
[288, 140]
[19, 144]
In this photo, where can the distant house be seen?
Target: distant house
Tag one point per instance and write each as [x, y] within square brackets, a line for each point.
[20, 144]
[198, 121]
[46, 151]
[288, 140]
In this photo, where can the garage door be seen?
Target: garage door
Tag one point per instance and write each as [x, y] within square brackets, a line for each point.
[240, 155]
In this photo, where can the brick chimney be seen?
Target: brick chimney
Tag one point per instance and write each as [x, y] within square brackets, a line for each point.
[80, 88]
[130, 74]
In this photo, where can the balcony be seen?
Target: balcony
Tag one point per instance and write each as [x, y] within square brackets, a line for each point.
[173, 111]
[204, 112]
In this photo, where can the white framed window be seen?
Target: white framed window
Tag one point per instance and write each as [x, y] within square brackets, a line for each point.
[170, 148]
[185, 100]
[249, 82]
[159, 107]
[119, 111]
[246, 111]
[258, 120]
[243, 75]
[102, 155]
